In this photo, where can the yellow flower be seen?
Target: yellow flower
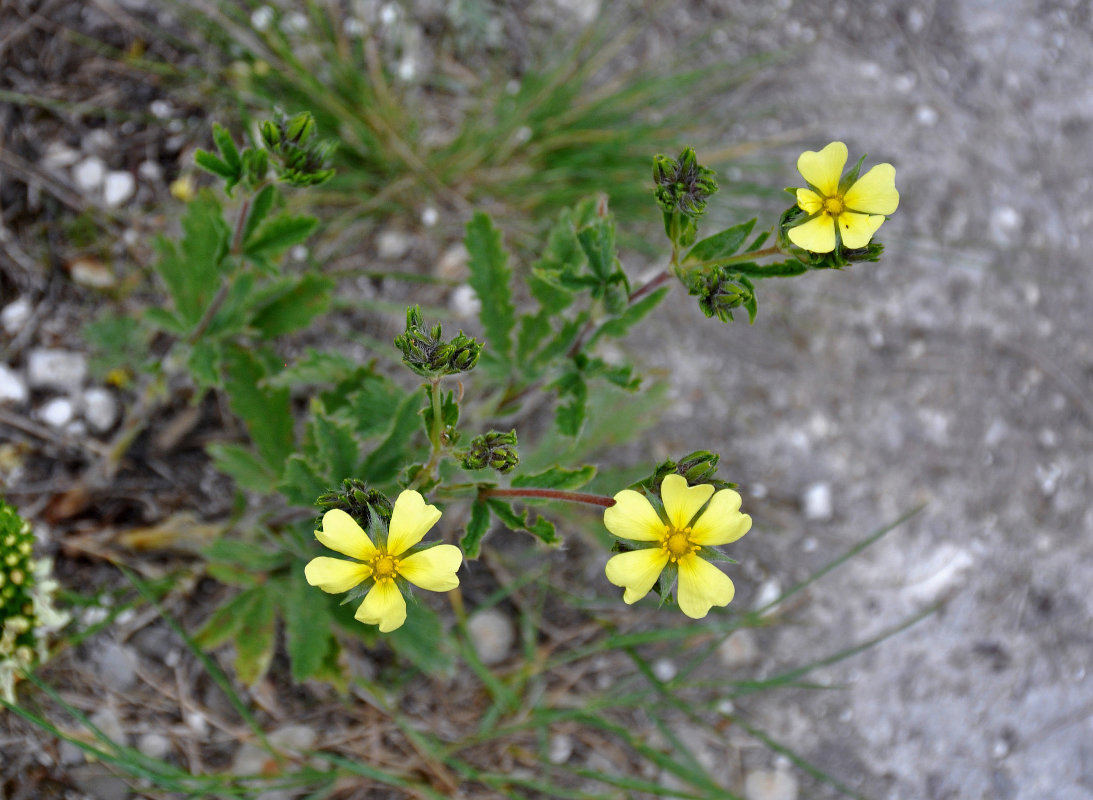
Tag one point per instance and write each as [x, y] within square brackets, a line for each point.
[678, 541]
[856, 210]
[386, 564]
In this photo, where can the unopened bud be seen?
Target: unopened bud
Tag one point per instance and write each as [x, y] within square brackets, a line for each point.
[495, 450]
[364, 505]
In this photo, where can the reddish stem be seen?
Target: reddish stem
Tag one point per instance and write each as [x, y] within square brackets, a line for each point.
[551, 494]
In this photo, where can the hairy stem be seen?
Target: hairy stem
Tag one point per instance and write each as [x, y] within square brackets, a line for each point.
[550, 494]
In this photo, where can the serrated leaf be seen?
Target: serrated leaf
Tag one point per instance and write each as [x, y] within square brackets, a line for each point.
[307, 626]
[266, 411]
[259, 209]
[720, 245]
[598, 243]
[204, 364]
[192, 268]
[562, 341]
[789, 268]
[557, 478]
[422, 642]
[294, 304]
[226, 621]
[620, 325]
[210, 163]
[315, 367]
[383, 463]
[477, 528]
[571, 415]
[371, 401]
[227, 148]
[279, 234]
[539, 527]
[300, 483]
[255, 641]
[241, 465]
[336, 448]
[232, 315]
[490, 277]
[251, 556]
[165, 320]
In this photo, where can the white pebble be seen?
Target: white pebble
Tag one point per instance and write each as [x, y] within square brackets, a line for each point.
[770, 785]
[392, 244]
[927, 116]
[817, 502]
[561, 748]
[56, 369]
[492, 635]
[100, 409]
[464, 302]
[154, 745]
[150, 171]
[118, 188]
[99, 140]
[429, 216]
[106, 720]
[12, 388]
[161, 108]
[740, 649]
[769, 591]
[664, 669]
[57, 412]
[15, 316]
[261, 18]
[59, 155]
[940, 576]
[116, 665]
[89, 174]
[196, 722]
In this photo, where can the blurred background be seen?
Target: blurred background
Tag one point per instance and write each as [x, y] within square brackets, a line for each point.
[955, 375]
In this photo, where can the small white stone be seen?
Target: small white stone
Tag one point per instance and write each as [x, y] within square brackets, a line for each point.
[740, 649]
[161, 108]
[59, 155]
[769, 591]
[118, 188]
[99, 140]
[354, 27]
[294, 23]
[116, 665]
[940, 576]
[429, 216]
[150, 171]
[15, 316]
[261, 18]
[817, 502]
[770, 785]
[294, 737]
[89, 174]
[492, 635]
[100, 409]
[12, 388]
[299, 252]
[926, 116]
[64, 370]
[154, 745]
[392, 244]
[57, 412]
[561, 748]
[106, 720]
[196, 722]
[453, 262]
[664, 669]
[464, 302]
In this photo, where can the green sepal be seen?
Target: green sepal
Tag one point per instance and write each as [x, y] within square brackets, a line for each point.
[539, 527]
[714, 554]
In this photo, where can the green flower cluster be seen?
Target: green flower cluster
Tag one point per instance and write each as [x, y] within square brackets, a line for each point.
[426, 353]
[27, 615]
[302, 160]
[495, 450]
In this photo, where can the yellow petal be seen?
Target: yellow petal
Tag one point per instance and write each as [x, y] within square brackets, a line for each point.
[858, 229]
[809, 201]
[874, 192]
[636, 571]
[823, 169]
[410, 521]
[384, 605]
[433, 569]
[633, 517]
[335, 575]
[721, 522]
[702, 585]
[342, 533]
[681, 502]
[817, 235]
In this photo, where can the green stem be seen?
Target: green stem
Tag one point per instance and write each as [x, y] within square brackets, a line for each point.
[549, 494]
[436, 433]
[763, 252]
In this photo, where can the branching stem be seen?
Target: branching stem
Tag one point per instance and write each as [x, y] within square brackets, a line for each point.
[550, 494]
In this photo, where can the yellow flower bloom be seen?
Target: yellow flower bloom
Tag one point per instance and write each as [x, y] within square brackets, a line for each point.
[677, 541]
[433, 568]
[855, 211]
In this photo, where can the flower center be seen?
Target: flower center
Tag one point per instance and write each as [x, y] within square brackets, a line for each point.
[677, 543]
[384, 567]
[834, 206]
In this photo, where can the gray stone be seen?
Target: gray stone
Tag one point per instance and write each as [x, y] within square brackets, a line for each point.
[154, 745]
[13, 389]
[391, 244]
[770, 785]
[63, 370]
[739, 650]
[817, 503]
[56, 412]
[115, 664]
[106, 720]
[118, 188]
[100, 409]
[15, 315]
[89, 174]
[492, 635]
[98, 782]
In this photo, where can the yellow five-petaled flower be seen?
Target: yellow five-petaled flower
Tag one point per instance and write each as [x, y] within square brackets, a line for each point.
[433, 568]
[677, 540]
[856, 211]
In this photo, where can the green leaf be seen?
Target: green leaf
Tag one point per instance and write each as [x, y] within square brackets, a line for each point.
[259, 209]
[266, 411]
[371, 401]
[315, 367]
[225, 621]
[620, 325]
[291, 305]
[301, 483]
[382, 464]
[477, 527]
[720, 245]
[192, 269]
[307, 626]
[539, 527]
[165, 320]
[252, 556]
[421, 641]
[490, 276]
[789, 268]
[336, 447]
[204, 364]
[598, 243]
[226, 146]
[232, 316]
[255, 639]
[243, 466]
[210, 163]
[279, 234]
[570, 416]
[557, 478]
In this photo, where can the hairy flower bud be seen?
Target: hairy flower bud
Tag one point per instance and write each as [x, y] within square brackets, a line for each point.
[358, 501]
[495, 450]
[719, 290]
[301, 161]
[682, 184]
[426, 353]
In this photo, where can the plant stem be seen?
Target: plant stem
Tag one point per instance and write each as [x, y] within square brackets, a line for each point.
[773, 250]
[436, 433]
[550, 494]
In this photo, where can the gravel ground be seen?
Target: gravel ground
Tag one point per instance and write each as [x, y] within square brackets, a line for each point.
[955, 374]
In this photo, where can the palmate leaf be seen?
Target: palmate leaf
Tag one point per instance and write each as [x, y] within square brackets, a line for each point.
[308, 637]
[490, 276]
[290, 304]
[256, 637]
[720, 245]
[539, 527]
[243, 466]
[265, 410]
[192, 269]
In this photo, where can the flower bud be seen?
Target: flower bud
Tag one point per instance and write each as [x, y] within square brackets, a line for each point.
[425, 352]
[358, 501]
[682, 185]
[495, 450]
[719, 291]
